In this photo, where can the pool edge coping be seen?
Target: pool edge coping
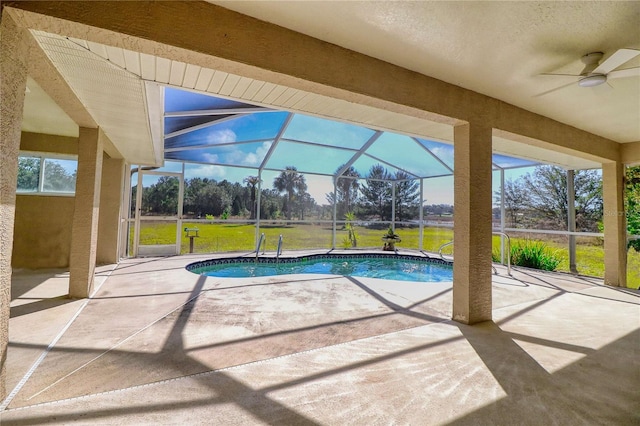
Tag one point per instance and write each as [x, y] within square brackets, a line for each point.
[309, 257]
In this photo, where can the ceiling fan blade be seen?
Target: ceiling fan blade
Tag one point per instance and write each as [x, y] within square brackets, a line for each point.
[629, 72]
[554, 90]
[614, 61]
[561, 75]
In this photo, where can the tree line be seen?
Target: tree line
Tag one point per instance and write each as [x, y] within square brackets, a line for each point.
[368, 197]
[204, 197]
[538, 200]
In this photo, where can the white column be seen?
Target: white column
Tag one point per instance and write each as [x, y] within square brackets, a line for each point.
[125, 212]
[393, 206]
[256, 208]
[571, 219]
[335, 211]
[421, 215]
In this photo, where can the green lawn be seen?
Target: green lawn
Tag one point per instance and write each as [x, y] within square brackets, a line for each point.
[222, 237]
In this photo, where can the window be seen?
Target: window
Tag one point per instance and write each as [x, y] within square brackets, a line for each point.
[40, 173]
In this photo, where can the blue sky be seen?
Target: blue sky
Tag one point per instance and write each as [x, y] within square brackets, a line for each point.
[314, 145]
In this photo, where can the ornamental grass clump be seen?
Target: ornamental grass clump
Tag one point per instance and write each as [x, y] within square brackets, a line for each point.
[351, 240]
[534, 254]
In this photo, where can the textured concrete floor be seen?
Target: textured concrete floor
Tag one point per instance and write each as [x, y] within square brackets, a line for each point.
[159, 345]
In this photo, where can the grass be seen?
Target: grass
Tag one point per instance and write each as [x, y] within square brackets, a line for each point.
[223, 237]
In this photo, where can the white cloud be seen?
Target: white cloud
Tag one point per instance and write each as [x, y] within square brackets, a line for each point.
[318, 186]
[233, 155]
[210, 158]
[444, 154]
[204, 171]
[221, 136]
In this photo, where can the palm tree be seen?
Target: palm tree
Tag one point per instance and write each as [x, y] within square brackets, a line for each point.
[252, 182]
[291, 182]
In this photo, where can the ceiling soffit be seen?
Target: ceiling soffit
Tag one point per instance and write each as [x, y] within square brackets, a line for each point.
[230, 86]
[43, 115]
[539, 154]
[194, 77]
[114, 97]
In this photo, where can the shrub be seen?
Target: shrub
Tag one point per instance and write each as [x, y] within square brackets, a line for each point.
[534, 254]
[346, 243]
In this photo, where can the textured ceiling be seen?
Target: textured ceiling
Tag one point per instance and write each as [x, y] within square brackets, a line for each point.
[500, 55]
[495, 48]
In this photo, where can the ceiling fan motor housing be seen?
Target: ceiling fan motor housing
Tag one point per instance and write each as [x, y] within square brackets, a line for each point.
[592, 80]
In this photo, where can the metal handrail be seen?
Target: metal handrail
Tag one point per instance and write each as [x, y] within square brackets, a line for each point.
[508, 250]
[443, 246]
[494, 269]
[279, 250]
[260, 242]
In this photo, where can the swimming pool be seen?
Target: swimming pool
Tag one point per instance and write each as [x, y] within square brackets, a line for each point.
[386, 266]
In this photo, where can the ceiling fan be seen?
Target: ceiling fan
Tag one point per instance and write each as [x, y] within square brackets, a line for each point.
[595, 73]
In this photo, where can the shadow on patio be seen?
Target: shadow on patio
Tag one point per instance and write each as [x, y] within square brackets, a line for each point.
[334, 350]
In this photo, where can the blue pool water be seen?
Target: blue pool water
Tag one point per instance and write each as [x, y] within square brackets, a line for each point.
[403, 268]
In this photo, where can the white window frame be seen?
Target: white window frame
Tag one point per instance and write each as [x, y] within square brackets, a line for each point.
[44, 156]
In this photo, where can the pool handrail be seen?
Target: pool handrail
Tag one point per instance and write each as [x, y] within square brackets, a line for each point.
[502, 234]
[279, 250]
[262, 240]
[493, 267]
[443, 246]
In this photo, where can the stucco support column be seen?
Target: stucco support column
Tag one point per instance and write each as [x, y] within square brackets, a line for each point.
[109, 219]
[615, 225]
[472, 224]
[84, 233]
[13, 83]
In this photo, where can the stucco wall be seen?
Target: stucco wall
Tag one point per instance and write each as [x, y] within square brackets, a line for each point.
[630, 153]
[42, 231]
[48, 143]
[13, 54]
[109, 219]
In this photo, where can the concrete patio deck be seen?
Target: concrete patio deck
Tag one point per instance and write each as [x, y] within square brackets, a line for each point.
[157, 344]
